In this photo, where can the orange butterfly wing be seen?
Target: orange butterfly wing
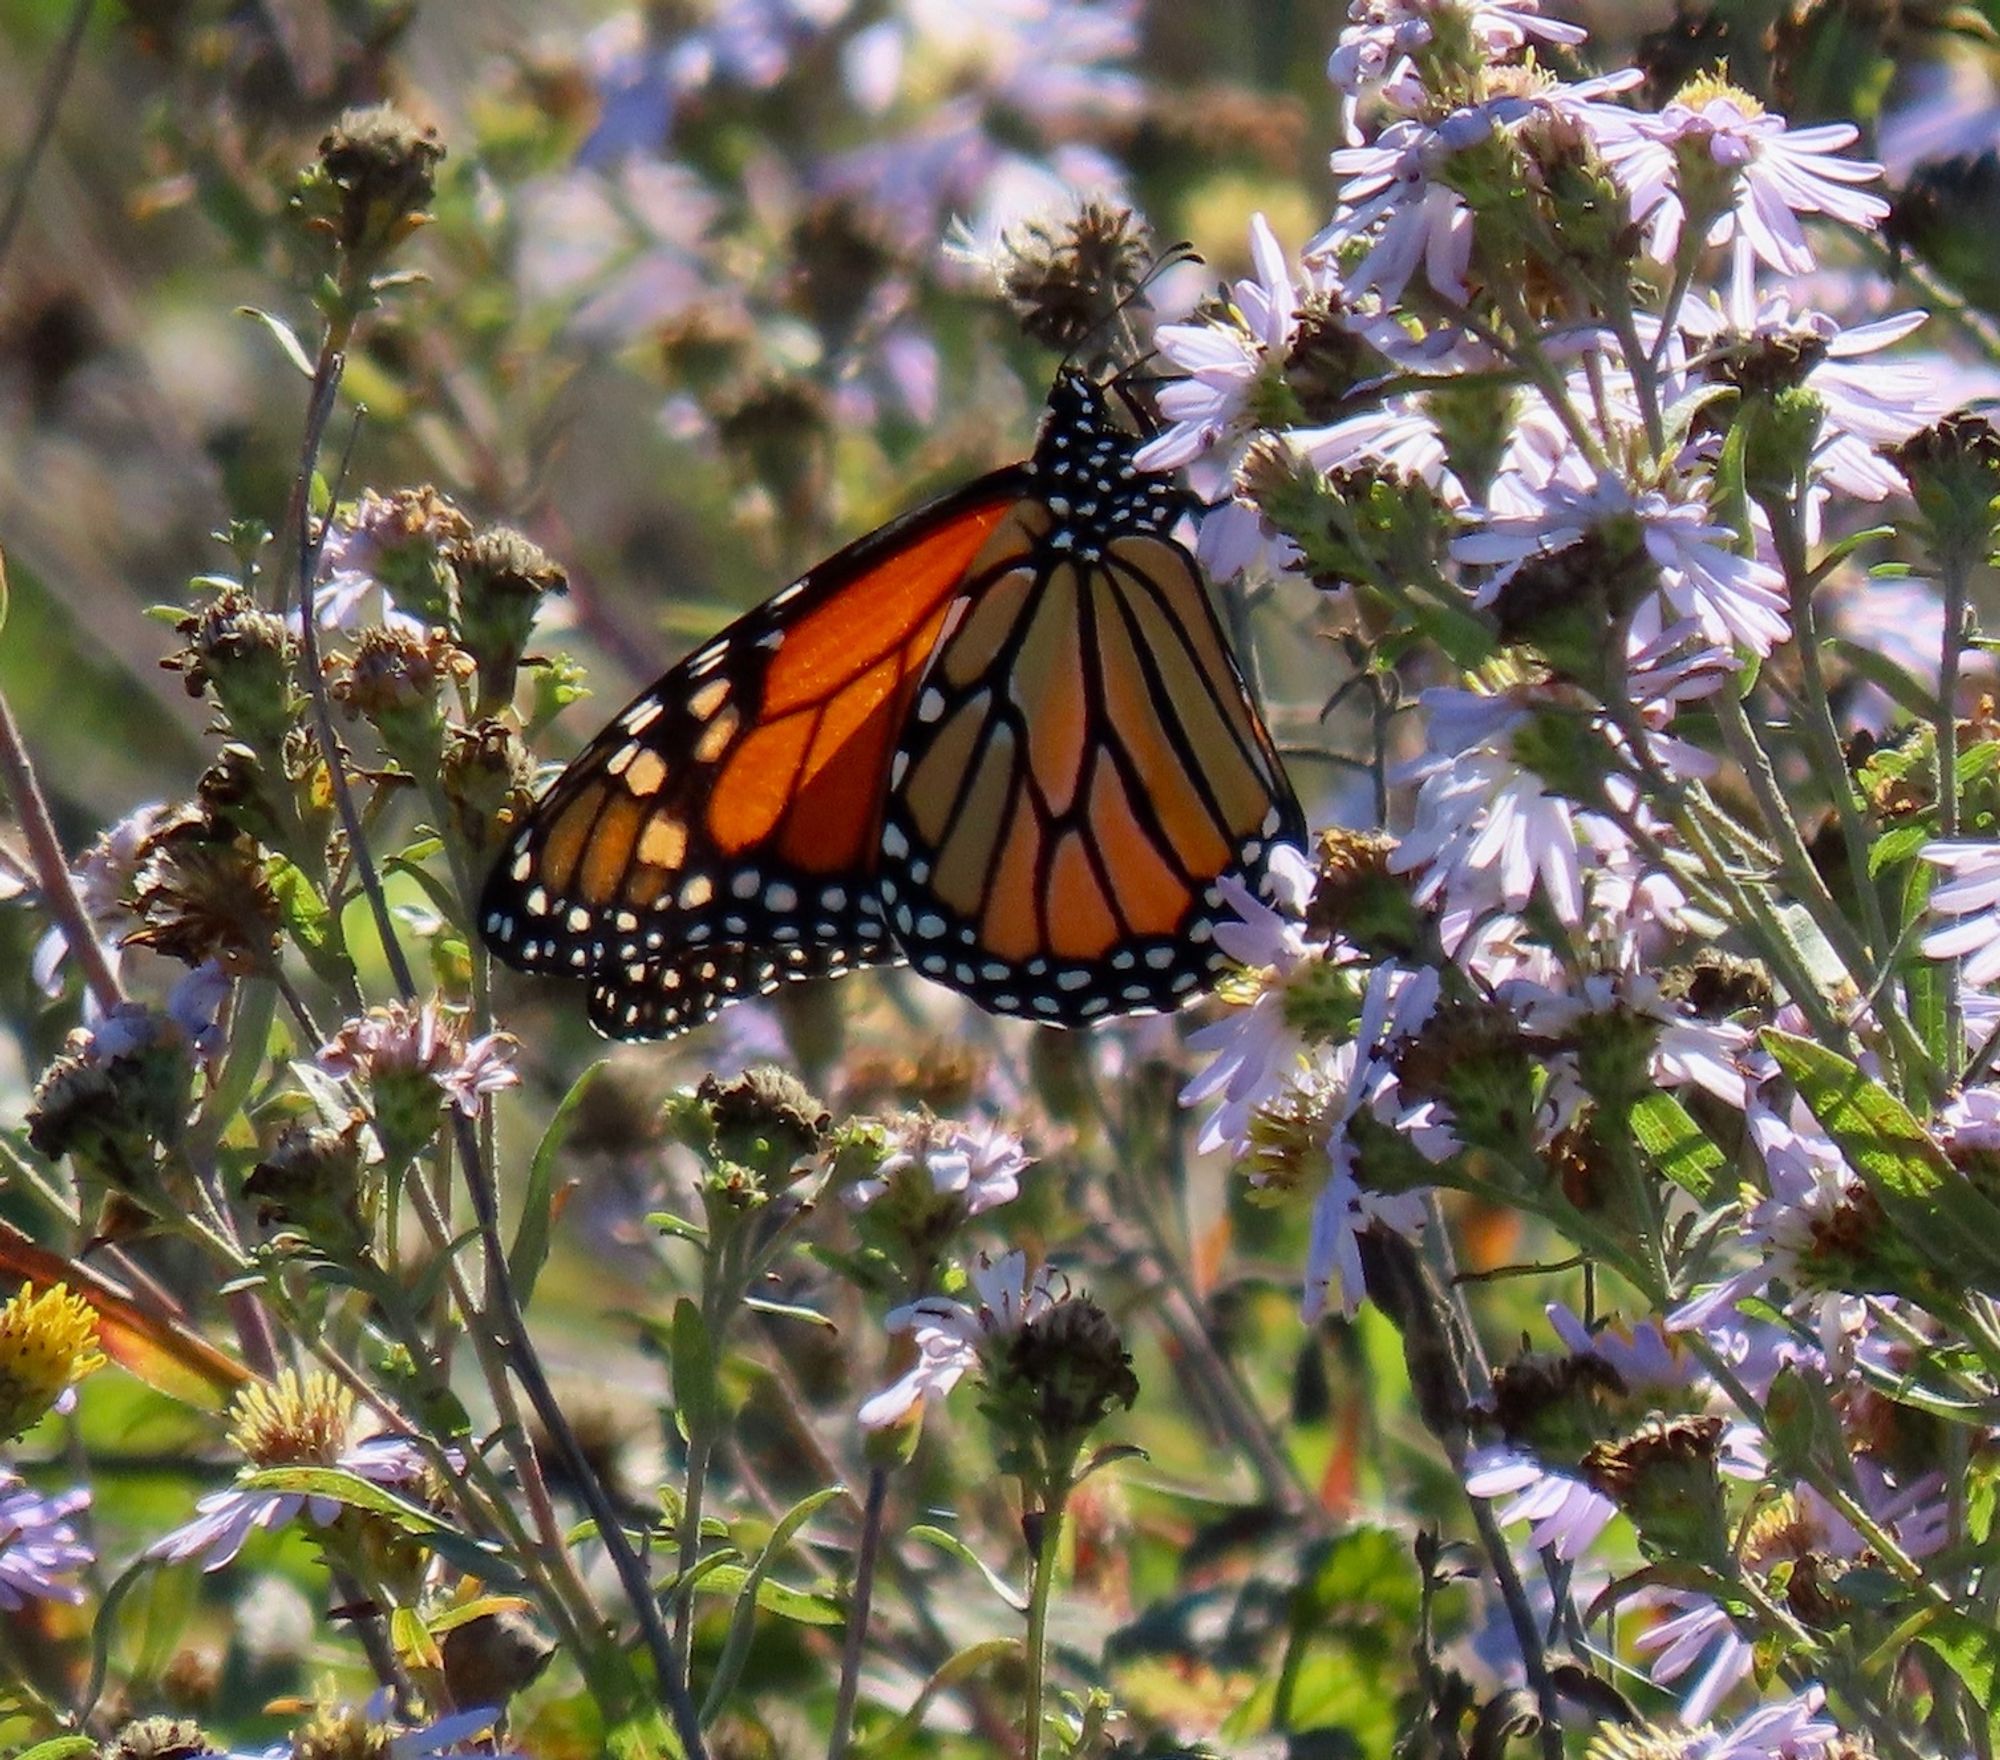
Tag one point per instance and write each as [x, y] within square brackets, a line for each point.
[723, 833]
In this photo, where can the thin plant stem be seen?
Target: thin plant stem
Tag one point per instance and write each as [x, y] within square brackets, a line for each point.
[55, 85]
[1048, 1538]
[859, 1603]
[1955, 572]
[51, 869]
[1821, 734]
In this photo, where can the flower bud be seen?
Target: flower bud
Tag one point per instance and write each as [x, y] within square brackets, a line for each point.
[1555, 1404]
[502, 580]
[1471, 1056]
[753, 1131]
[777, 428]
[1560, 602]
[1356, 897]
[246, 660]
[404, 539]
[396, 678]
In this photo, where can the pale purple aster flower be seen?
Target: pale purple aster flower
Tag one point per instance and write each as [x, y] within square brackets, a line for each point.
[619, 252]
[1223, 362]
[1810, 1184]
[401, 1040]
[1392, 188]
[642, 74]
[1780, 174]
[1397, 435]
[1900, 618]
[1970, 1121]
[1488, 832]
[948, 1333]
[980, 1164]
[40, 1550]
[1866, 406]
[1382, 32]
[1790, 1730]
[1971, 894]
[103, 879]
[1346, 1079]
[1255, 1050]
[1730, 597]
[224, 1520]
[1687, 1050]
[1568, 1515]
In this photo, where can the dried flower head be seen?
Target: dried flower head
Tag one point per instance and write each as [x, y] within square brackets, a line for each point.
[158, 1738]
[395, 677]
[488, 781]
[1067, 278]
[246, 660]
[502, 579]
[48, 1343]
[371, 185]
[202, 894]
[310, 1183]
[117, 1091]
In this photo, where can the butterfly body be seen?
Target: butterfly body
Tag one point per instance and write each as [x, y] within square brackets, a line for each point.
[1002, 737]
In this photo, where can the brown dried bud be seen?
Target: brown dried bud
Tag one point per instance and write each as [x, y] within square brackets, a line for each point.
[1068, 279]
[202, 894]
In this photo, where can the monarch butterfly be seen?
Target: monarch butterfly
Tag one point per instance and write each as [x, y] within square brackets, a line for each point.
[1003, 738]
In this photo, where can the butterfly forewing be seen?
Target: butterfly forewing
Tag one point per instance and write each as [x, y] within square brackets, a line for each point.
[723, 833]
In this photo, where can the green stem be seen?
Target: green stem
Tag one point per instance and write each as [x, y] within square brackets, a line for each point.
[1047, 1550]
[1955, 574]
[859, 1602]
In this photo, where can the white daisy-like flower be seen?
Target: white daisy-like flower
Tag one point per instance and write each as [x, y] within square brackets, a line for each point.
[1567, 1514]
[1811, 1189]
[1489, 833]
[1790, 1730]
[1255, 1050]
[948, 1334]
[1380, 34]
[1354, 1076]
[1687, 1050]
[980, 1164]
[1730, 598]
[41, 1552]
[1779, 174]
[1222, 362]
[1971, 894]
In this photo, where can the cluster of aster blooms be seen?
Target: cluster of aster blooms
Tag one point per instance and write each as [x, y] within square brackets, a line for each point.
[1544, 412]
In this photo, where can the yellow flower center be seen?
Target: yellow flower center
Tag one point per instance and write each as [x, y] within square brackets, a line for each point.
[47, 1343]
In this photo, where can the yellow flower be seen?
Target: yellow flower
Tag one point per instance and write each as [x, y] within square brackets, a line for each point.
[48, 1342]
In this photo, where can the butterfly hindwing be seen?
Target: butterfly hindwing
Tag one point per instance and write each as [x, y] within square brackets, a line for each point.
[724, 831]
[1083, 765]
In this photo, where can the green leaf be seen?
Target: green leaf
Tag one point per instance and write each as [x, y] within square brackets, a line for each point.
[694, 1368]
[1895, 847]
[1677, 1146]
[286, 339]
[1971, 1650]
[1933, 1208]
[1926, 983]
[788, 1311]
[804, 1607]
[682, 1228]
[1882, 672]
[309, 923]
[961, 1667]
[488, 1563]
[530, 1250]
[957, 1548]
[743, 1621]
[60, 1748]
[444, 900]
